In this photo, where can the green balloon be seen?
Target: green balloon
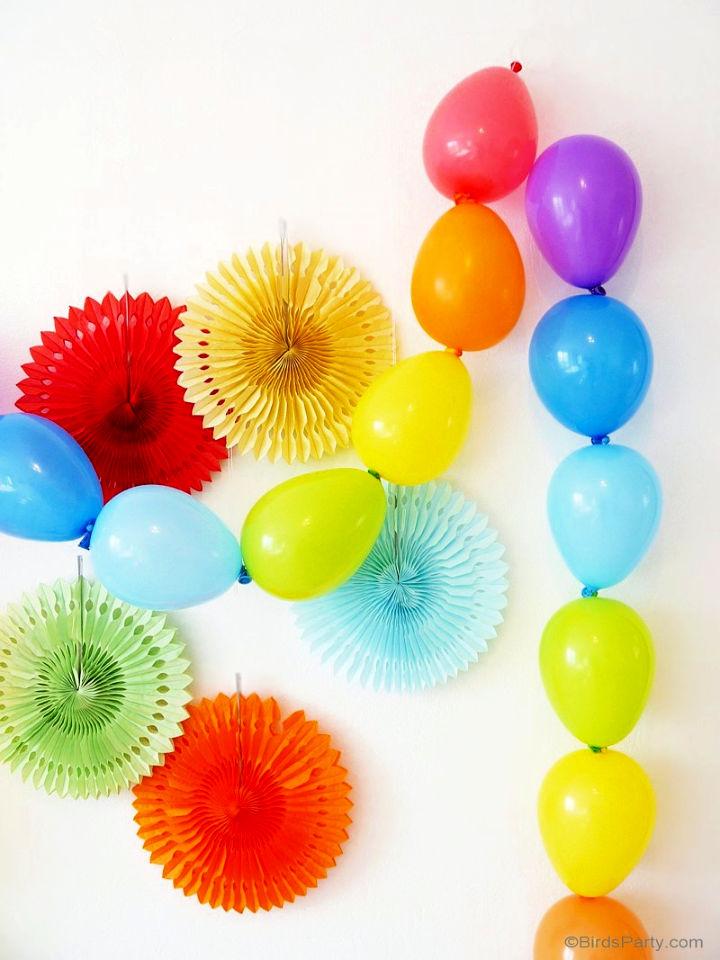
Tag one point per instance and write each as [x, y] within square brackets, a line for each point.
[308, 535]
[597, 663]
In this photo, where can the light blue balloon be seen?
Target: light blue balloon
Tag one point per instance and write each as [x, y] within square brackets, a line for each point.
[604, 505]
[48, 488]
[159, 548]
[591, 363]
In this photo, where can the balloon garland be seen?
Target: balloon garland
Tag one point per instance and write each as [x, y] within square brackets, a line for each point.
[106, 375]
[272, 788]
[591, 364]
[250, 809]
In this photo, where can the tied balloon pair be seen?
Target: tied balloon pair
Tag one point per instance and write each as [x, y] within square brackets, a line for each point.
[591, 364]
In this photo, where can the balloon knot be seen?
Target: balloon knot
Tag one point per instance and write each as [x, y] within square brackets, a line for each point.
[516, 66]
[85, 542]
[587, 592]
[244, 576]
[601, 439]
[596, 749]
[597, 291]
[374, 473]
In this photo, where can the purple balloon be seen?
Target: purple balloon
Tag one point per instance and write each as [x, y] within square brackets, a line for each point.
[583, 204]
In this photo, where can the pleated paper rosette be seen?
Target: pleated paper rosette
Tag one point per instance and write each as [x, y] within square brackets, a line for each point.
[106, 374]
[250, 810]
[278, 347]
[92, 691]
[424, 604]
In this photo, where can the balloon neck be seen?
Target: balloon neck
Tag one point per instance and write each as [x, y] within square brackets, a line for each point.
[600, 439]
[588, 592]
[455, 350]
[596, 749]
[374, 473]
[597, 291]
[85, 542]
[244, 576]
[516, 66]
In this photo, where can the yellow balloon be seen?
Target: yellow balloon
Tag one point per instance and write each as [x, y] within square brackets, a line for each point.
[309, 534]
[412, 421]
[596, 813]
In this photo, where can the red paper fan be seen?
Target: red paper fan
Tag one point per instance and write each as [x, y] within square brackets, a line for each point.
[110, 382]
[245, 816]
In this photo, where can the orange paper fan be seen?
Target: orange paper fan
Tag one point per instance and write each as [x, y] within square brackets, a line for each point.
[245, 815]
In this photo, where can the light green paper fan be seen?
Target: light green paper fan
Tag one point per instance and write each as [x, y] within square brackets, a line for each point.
[91, 718]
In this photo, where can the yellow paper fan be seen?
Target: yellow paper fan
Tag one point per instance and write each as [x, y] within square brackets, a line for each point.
[278, 347]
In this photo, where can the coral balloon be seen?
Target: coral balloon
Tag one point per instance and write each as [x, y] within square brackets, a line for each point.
[309, 534]
[596, 813]
[481, 140]
[411, 423]
[468, 284]
[583, 203]
[580, 928]
[597, 663]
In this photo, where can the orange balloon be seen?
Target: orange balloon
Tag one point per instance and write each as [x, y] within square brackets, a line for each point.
[468, 284]
[578, 928]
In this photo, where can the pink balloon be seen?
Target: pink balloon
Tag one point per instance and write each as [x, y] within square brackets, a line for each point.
[481, 140]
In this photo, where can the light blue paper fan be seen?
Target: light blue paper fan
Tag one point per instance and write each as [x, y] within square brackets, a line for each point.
[426, 600]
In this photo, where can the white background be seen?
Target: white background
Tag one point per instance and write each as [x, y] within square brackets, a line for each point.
[153, 139]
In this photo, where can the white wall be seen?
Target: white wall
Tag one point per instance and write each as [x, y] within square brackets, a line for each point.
[154, 138]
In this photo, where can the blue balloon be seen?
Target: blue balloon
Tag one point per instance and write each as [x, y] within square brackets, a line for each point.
[159, 548]
[604, 505]
[591, 363]
[48, 488]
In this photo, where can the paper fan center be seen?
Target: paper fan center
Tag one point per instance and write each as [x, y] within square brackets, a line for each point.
[79, 693]
[297, 357]
[237, 806]
[402, 584]
[131, 410]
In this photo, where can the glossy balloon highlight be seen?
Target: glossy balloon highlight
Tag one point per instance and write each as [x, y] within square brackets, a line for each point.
[412, 421]
[583, 202]
[604, 504]
[310, 534]
[596, 814]
[48, 488]
[597, 663]
[468, 283]
[591, 363]
[481, 139]
[159, 548]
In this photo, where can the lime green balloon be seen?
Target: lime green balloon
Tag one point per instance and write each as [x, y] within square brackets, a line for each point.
[597, 663]
[308, 535]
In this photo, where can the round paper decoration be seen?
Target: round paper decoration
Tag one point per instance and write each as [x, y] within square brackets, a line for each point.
[246, 813]
[106, 374]
[87, 717]
[277, 349]
[426, 600]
